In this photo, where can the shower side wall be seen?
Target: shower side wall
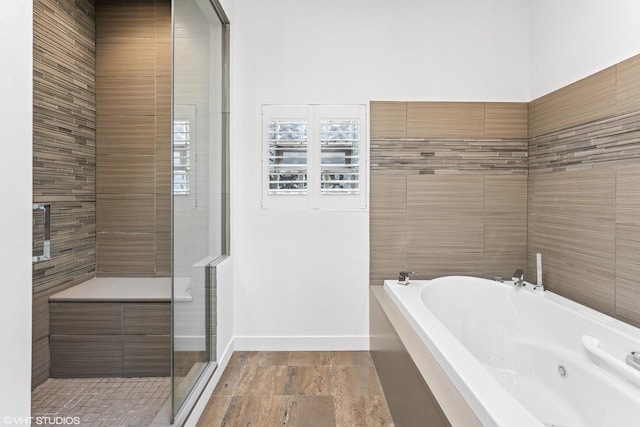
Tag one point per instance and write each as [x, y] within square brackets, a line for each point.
[64, 123]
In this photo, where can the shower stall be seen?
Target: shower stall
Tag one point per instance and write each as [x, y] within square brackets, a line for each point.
[131, 203]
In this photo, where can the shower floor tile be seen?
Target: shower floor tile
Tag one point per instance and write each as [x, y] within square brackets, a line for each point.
[101, 402]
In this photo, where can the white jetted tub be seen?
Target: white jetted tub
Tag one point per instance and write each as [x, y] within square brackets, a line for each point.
[525, 358]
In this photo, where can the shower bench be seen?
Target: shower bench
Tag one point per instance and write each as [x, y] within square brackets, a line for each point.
[112, 327]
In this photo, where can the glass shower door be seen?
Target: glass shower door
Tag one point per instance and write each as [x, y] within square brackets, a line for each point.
[199, 179]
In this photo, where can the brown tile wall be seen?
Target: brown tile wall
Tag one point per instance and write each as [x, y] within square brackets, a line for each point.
[93, 339]
[584, 190]
[133, 80]
[64, 116]
[448, 188]
[131, 76]
[440, 205]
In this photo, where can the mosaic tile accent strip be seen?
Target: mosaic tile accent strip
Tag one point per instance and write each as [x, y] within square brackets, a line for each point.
[435, 156]
[64, 122]
[64, 142]
[614, 141]
[102, 402]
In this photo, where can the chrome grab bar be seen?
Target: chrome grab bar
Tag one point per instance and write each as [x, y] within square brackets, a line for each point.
[633, 360]
[592, 345]
[46, 247]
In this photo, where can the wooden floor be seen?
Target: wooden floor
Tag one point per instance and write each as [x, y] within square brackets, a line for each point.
[304, 389]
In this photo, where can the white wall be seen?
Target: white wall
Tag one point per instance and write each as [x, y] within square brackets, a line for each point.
[305, 274]
[572, 39]
[15, 215]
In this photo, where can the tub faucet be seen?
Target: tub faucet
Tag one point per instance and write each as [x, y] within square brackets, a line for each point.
[518, 277]
[403, 277]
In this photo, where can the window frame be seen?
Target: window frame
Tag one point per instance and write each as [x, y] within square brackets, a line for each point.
[315, 198]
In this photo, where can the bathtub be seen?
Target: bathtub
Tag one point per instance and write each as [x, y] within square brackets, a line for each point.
[525, 358]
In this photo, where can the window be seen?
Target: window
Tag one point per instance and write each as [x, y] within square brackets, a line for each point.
[184, 128]
[287, 156]
[314, 156]
[339, 156]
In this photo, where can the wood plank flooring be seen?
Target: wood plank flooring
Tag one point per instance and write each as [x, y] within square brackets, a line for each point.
[317, 388]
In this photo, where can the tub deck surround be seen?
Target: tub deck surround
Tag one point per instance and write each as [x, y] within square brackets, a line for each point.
[503, 348]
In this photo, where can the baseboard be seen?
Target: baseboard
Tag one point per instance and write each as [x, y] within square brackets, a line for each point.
[302, 343]
[198, 408]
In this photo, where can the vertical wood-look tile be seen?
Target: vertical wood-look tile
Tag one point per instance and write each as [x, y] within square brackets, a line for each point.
[40, 364]
[82, 356]
[445, 224]
[572, 223]
[388, 240]
[124, 19]
[146, 355]
[131, 56]
[85, 318]
[506, 119]
[126, 96]
[627, 291]
[146, 318]
[121, 134]
[628, 85]
[126, 253]
[163, 252]
[387, 226]
[627, 242]
[388, 119]
[123, 212]
[584, 194]
[591, 98]
[118, 174]
[627, 195]
[505, 233]
[134, 97]
[445, 120]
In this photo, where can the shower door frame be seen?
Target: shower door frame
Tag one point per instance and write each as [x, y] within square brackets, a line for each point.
[181, 413]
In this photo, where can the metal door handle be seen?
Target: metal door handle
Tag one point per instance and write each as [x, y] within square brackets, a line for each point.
[46, 248]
